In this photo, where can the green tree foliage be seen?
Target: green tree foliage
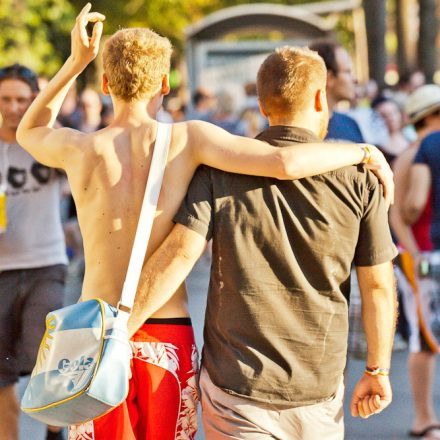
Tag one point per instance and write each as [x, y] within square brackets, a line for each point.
[168, 17]
[35, 33]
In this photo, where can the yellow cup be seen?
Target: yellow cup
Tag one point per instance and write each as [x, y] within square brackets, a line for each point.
[3, 217]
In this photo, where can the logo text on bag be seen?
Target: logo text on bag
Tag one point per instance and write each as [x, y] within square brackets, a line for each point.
[66, 366]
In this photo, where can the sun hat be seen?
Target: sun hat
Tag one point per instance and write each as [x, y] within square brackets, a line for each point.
[424, 101]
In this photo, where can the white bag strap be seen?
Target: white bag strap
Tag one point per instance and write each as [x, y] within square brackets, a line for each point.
[146, 218]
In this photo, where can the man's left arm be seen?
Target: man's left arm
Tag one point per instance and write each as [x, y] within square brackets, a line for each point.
[171, 263]
[164, 272]
[373, 392]
[374, 253]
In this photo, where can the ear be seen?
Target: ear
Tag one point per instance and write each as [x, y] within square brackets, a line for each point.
[330, 79]
[319, 103]
[165, 85]
[104, 85]
[262, 111]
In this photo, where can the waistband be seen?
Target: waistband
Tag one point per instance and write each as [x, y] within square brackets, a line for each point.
[169, 321]
[177, 331]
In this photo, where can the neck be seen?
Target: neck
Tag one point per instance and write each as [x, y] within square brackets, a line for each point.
[92, 120]
[427, 130]
[331, 102]
[136, 112]
[305, 120]
[8, 135]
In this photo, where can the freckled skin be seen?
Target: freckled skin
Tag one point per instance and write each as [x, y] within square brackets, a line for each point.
[118, 170]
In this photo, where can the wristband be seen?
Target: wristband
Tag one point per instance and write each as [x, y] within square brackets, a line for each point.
[367, 154]
[376, 371]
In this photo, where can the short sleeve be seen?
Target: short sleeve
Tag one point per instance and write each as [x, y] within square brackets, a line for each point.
[428, 152]
[375, 244]
[196, 211]
[422, 155]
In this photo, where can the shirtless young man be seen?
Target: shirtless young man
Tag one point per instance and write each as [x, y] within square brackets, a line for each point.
[107, 172]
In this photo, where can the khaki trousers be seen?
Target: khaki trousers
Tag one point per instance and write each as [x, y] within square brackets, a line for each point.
[226, 416]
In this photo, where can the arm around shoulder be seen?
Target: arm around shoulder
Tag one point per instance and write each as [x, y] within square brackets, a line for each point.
[213, 146]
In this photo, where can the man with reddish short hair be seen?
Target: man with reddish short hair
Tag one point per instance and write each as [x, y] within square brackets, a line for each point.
[276, 326]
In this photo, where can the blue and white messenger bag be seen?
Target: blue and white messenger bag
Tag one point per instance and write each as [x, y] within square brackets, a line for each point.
[83, 364]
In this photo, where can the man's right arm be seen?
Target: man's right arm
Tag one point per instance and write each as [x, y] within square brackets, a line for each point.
[374, 253]
[55, 147]
[164, 272]
[213, 146]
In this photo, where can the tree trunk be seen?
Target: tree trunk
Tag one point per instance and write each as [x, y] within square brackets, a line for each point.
[427, 38]
[405, 52]
[375, 24]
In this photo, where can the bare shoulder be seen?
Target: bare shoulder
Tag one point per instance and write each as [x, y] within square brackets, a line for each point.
[84, 147]
[191, 129]
[200, 134]
[89, 143]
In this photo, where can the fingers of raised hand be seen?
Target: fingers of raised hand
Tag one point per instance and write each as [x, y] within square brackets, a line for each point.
[82, 19]
[96, 35]
[83, 12]
[93, 17]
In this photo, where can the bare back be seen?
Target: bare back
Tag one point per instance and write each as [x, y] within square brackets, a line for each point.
[108, 186]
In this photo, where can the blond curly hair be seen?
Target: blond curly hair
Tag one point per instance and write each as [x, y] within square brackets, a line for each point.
[135, 61]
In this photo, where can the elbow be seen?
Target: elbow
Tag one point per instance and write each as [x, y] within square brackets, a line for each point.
[288, 167]
[21, 135]
[412, 212]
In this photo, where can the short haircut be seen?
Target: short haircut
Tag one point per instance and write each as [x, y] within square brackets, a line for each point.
[287, 79]
[378, 100]
[135, 61]
[22, 73]
[199, 95]
[326, 49]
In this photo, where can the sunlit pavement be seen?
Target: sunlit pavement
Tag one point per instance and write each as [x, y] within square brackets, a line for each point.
[392, 424]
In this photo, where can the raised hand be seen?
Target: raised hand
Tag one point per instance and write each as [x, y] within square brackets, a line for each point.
[379, 166]
[84, 48]
[371, 395]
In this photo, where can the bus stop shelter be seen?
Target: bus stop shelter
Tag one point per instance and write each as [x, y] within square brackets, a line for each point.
[228, 46]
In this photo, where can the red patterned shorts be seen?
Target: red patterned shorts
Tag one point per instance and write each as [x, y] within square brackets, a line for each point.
[162, 400]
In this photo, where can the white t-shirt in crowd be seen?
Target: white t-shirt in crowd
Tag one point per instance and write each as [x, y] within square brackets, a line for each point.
[34, 234]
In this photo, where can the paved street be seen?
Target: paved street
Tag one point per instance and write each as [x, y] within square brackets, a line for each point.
[392, 424]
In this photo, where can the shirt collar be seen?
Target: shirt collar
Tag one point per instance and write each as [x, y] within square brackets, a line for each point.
[288, 133]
